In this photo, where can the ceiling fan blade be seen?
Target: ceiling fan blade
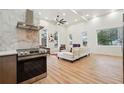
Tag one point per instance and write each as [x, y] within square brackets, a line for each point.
[62, 22]
[62, 19]
[57, 20]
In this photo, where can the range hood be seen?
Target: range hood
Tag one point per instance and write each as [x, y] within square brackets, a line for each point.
[28, 24]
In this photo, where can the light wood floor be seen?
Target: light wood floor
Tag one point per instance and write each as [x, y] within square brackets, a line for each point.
[93, 69]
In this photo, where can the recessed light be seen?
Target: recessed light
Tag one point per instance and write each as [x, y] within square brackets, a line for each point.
[46, 18]
[87, 15]
[63, 14]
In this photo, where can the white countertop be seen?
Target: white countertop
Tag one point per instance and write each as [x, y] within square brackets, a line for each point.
[9, 52]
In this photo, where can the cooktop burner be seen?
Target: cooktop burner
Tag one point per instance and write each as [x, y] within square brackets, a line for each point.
[31, 51]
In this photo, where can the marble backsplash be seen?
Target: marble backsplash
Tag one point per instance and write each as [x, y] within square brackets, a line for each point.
[12, 38]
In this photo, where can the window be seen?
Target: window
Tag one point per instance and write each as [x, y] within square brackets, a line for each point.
[55, 35]
[111, 36]
[84, 38]
[44, 38]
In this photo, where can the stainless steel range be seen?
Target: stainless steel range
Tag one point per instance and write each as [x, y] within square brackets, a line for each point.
[31, 63]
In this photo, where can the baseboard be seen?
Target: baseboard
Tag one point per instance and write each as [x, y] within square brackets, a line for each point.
[106, 55]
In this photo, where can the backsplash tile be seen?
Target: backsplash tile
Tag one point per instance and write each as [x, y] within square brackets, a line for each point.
[12, 38]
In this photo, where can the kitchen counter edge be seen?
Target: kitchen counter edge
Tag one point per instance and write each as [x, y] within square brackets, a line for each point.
[8, 53]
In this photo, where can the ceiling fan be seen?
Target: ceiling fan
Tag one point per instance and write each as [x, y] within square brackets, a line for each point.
[60, 21]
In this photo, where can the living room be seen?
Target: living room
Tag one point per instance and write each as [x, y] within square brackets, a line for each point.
[82, 35]
[83, 45]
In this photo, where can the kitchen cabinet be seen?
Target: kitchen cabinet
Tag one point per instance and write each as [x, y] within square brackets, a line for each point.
[8, 69]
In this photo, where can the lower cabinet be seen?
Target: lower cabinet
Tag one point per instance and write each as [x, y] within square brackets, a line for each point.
[8, 69]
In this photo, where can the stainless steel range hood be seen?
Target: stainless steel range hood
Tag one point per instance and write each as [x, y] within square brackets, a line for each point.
[29, 17]
[28, 24]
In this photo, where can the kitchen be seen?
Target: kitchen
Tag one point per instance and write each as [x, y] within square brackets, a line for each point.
[22, 60]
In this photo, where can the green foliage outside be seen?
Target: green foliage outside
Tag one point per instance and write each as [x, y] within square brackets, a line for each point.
[106, 37]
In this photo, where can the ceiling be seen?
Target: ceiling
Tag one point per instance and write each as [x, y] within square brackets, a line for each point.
[72, 16]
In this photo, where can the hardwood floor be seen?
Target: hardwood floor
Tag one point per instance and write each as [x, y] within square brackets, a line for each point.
[93, 69]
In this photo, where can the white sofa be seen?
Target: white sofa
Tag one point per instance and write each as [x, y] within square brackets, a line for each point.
[76, 53]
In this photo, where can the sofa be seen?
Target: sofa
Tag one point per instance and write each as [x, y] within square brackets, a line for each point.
[76, 53]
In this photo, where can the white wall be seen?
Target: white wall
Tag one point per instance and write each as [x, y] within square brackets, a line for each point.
[107, 21]
[12, 38]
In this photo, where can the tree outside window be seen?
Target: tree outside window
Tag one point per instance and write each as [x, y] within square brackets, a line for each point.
[112, 36]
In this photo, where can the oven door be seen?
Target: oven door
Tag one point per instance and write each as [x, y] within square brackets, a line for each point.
[29, 68]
